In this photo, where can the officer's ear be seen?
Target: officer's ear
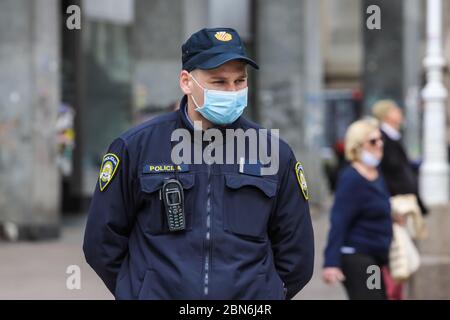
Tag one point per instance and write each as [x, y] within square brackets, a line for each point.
[185, 81]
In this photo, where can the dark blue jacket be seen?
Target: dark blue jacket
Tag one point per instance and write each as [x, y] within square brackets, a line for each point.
[247, 236]
[360, 218]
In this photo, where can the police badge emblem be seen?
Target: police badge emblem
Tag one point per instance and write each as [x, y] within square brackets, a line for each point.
[301, 179]
[223, 36]
[109, 167]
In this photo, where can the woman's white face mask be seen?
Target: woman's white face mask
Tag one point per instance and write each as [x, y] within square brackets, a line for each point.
[372, 151]
[369, 159]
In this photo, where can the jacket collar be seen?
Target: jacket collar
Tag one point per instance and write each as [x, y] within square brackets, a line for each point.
[391, 132]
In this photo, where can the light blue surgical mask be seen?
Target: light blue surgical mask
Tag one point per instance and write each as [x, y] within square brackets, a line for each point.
[221, 107]
[369, 159]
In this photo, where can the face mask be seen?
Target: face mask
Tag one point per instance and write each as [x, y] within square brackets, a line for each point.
[369, 159]
[221, 107]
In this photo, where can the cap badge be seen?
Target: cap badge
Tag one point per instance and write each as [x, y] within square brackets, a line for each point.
[223, 36]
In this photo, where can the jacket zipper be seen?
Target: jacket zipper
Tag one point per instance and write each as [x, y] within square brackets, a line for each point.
[207, 265]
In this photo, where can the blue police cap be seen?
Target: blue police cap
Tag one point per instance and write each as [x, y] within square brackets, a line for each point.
[209, 48]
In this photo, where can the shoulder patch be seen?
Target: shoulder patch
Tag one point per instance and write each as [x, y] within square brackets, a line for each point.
[109, 167]
[301, 179]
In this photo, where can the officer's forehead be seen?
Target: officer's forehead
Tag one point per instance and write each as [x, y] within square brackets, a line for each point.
[231, 68]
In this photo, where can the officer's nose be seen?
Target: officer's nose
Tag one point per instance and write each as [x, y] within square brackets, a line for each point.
[232, 87]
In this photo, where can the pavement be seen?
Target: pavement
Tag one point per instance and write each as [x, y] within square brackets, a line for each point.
[37, 270]
[316, 289]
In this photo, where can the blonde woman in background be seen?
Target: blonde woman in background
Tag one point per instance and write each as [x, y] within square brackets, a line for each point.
[361, 225]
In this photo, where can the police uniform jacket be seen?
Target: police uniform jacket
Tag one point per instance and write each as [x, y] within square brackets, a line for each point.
[247, 236]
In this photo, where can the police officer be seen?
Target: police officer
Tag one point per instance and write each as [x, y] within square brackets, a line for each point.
[163, 230]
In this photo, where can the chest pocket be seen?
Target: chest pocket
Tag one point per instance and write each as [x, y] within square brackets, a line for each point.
[247, 203]
[152, 216]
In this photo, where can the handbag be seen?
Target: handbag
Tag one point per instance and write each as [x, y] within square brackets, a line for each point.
[404, 259]
[407, 204]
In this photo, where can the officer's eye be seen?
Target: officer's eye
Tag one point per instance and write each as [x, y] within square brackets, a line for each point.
[219, 82]
[240, 81]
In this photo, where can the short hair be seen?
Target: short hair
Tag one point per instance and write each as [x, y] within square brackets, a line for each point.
[382, 107]
[355, 135]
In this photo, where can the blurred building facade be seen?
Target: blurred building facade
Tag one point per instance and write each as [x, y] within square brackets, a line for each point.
[122, 67]
[29, 101]
[321, 68]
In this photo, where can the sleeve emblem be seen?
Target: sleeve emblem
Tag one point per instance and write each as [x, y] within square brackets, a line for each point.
[299, 172]
[108, 169]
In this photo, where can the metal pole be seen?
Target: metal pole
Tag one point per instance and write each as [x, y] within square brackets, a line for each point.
[434, 173]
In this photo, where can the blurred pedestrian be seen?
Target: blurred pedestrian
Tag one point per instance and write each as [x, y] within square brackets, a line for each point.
[398, 171]
[361, 225]
[396, 168]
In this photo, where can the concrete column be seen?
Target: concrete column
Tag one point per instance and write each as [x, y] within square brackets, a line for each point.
[342, 43]
[290, 79]
[383, 57]
[29, 99]
[195, 16]
[157, 35]
[412, 31]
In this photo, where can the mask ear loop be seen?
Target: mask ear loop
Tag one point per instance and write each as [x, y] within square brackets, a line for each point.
[195, 102]
[195, 80]
[192, 96]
